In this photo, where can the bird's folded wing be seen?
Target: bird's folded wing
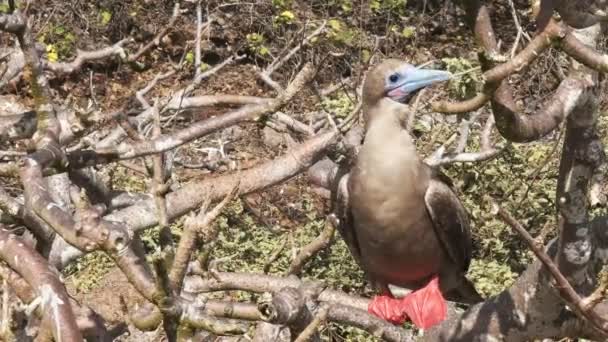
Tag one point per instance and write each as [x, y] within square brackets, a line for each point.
[450, 220]
[343, 212]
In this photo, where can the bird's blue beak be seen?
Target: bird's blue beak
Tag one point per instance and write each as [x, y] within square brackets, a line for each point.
[416, 79]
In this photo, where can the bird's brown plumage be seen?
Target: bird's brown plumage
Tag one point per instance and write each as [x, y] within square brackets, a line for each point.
[402, 220]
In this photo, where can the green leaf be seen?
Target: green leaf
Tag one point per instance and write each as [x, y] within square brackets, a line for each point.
[263, 51]
[365, 55]
[59, 30]
[288, 15]
[408, 31]
[189, 57]
[51, 53]
[106, 16]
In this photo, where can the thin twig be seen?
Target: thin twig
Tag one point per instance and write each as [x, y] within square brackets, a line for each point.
[275, 255]
[266, 74]
[319, 243]
[159, 190]
[142, 92]
[156, 40]
[309, 331]
[197, 43]
[412, 117]
[193, 228]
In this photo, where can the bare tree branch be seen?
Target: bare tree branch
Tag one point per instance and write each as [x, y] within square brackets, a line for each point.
[563, 285]
[170, 141]
[36, 271]
[193, 228]
[159, 36]
[83, 57]
[319, 243]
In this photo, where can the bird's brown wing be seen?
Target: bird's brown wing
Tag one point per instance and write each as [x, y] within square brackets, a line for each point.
[450, 220]
[342, 210]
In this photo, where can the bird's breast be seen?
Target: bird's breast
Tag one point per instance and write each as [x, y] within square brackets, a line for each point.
[394, 230]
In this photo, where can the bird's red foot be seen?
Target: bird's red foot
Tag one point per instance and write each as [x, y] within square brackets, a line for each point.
[425, 307]
[388, 308]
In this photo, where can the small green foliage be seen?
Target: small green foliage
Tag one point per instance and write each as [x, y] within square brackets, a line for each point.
[255, 42]
[281, 4]
[105, 16]
[51, 53]
[341, 6]
[341, 104]
[340, 33]
[408, 32]
[285, 18]
[405, 32]
[366, 55]
[123, 179]
[248, 247]
[189, 59]
[89, 270]
[490, 277]
[396, 7]
[59, 42]
[464, 86]
[151, 239]
[4, 8]
[346, 6]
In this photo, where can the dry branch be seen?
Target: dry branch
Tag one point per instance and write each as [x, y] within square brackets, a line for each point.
[583, 53]
[288, 306]
[474, 103]
[311, 329]
[319, 243]
[568, 293]
[216, 100]
[83, 57]
[487, 152]
[142, 92]
[194, 131]
[37, 272]
[12, 23]
[172, 102]
[342, 308]
[512, 125]
[277, 63]
[159, 36]
[140, 215]
[493, 77]
[262, 176]
[194, 229]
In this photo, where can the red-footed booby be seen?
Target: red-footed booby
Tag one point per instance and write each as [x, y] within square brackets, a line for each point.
[402, 220]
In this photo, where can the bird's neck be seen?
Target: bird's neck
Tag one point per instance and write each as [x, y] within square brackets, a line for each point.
[386, 132]
[388, 150]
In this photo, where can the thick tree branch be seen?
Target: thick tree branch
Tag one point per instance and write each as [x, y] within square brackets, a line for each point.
[140, 215]
[342, 308]
[193, 228]
[83, 57]
[36, 271]
[568, 293]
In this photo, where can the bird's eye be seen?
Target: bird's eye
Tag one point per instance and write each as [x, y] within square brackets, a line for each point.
[393, 78]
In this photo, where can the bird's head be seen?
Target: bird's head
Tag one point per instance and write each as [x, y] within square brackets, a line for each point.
[398, 81]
